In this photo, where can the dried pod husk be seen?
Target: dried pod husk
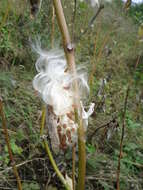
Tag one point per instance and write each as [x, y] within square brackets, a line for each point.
[51, 121]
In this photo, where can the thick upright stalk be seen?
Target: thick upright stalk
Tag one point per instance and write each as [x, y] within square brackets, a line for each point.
[82, 157]
[68, 47]
[69, 52]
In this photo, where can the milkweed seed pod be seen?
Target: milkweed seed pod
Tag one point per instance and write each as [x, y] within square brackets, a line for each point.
[55, 86]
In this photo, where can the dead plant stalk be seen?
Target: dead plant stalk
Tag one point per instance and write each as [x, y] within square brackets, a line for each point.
[123, 126]
[122, 138]
[9, 146]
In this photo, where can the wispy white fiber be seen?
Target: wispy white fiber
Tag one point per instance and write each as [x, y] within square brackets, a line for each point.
[54, 83]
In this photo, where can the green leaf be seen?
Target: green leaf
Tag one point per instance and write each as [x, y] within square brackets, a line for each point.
[15, 148]
[90, 148]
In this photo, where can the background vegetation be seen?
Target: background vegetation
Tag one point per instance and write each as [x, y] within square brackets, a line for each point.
[111, 49]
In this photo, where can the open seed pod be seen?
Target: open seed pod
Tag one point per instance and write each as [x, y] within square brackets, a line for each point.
[55, 85]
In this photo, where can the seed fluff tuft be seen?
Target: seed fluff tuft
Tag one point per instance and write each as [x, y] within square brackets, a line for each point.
[54, 82]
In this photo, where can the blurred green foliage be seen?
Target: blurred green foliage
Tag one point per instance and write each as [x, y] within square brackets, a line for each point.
[136, 12]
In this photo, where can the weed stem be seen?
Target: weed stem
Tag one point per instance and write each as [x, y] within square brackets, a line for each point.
[15, 171]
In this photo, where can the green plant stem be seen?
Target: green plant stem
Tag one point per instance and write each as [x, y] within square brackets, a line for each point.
[81, 153]
[9, 146]
[59, 174]
[55, 166]
[69, 52]
[82, 158]
[73, 166]
[43, 120]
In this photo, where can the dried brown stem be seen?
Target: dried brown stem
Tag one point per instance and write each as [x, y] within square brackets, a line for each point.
[122, 138]
[123, 127]
[93, 64]
[96, 39]
[9, 146]
[98, 58]
[101, 127]
[90, 23]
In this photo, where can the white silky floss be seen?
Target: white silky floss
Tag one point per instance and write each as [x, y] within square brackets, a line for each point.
[55, 85]
[52, 80]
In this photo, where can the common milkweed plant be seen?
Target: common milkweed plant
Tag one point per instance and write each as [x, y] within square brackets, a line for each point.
[55, 84]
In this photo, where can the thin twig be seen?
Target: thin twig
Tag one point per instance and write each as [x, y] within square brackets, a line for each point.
[73, 20]
[96, 39]
[9, 146]
[123, 127]
[19, 165]
[103, 45]
[137, 62]
[53, 27]
[94, 56]
[122, 138]
[90, 23]
[98, 58]
[101, 127]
